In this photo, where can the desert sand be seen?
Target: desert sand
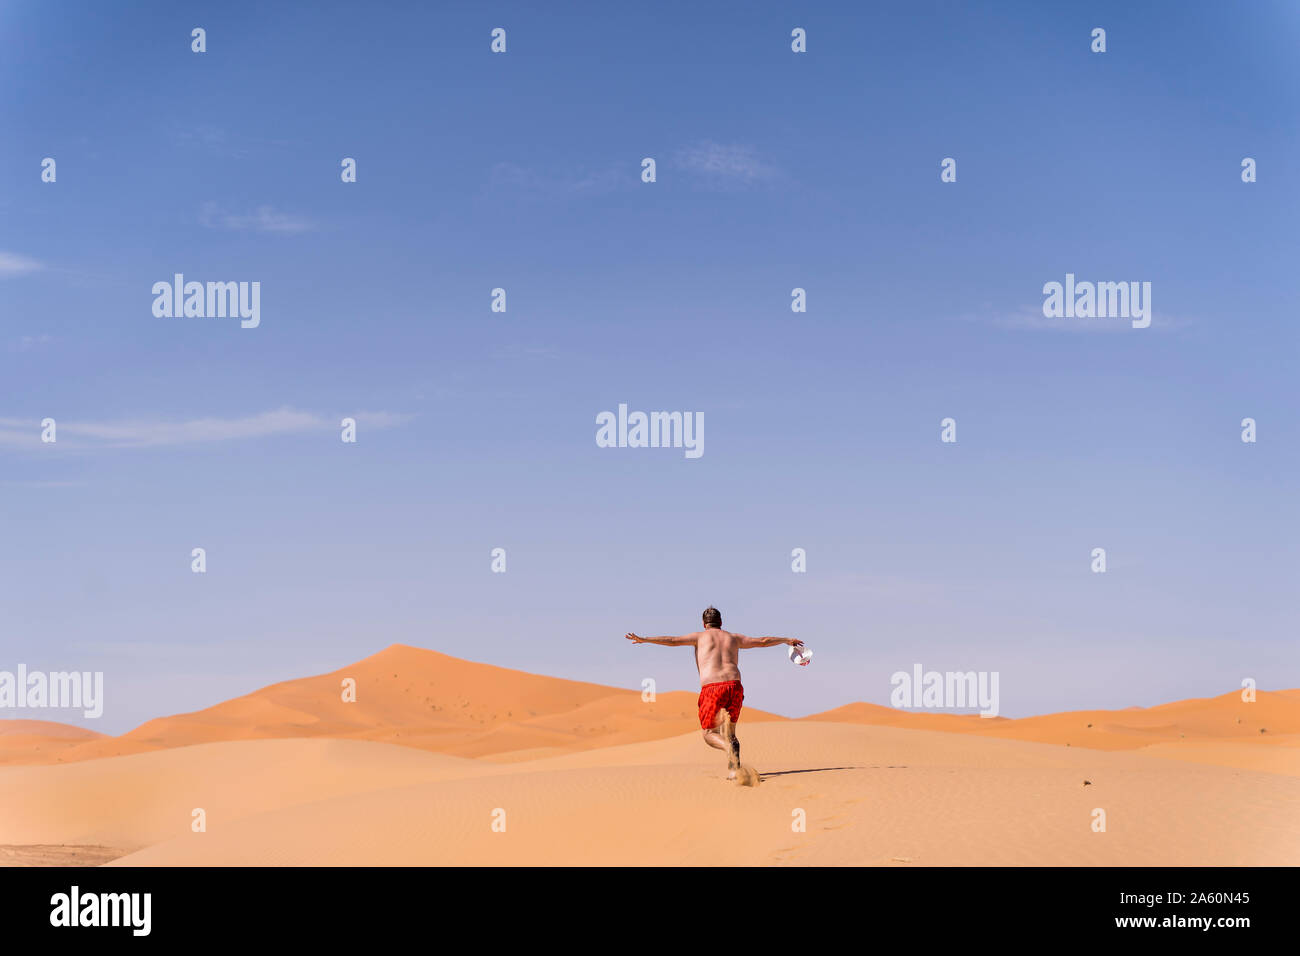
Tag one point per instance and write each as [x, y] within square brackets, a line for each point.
[445, 761]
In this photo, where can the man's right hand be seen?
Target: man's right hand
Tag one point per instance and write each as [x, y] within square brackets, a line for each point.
[634, 639]
[794, 642]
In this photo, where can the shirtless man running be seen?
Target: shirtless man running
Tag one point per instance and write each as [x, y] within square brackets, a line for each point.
[721, 694]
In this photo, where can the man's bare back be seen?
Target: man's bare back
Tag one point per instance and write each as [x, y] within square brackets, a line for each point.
[717, 654]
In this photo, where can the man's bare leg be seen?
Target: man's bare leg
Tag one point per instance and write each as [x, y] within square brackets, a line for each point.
[716, 740]
[745, 776]
[723, 737]
[729, 734]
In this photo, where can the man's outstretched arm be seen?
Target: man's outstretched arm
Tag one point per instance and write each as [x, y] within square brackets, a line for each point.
[768, 641]
[666, 641]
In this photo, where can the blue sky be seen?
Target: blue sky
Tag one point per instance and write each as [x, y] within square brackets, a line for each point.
[775, 171]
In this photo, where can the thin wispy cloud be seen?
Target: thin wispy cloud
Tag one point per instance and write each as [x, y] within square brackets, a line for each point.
[262, 219]
[12, 264]
[146, 434]
[724, 165]
[9, 434]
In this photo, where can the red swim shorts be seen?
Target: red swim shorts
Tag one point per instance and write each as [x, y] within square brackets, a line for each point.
[725, 695]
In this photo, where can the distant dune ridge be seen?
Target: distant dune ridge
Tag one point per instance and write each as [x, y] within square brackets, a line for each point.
[411, 771]
[45, 728]
[1209, 718]
[408, 696]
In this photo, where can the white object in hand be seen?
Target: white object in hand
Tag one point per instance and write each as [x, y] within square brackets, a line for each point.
[801, 655]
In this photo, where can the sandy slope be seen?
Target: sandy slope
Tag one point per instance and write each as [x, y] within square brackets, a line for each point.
[408, 696]
[141, 799]
[420, 698]
[40, 741]
[899, 797]
[1272, 717]
[45, 728]
[592, 774]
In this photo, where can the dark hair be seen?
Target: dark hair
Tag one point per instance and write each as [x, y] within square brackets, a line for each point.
[712, 617]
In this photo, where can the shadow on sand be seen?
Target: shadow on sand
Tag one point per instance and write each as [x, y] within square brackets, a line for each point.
[782, 773]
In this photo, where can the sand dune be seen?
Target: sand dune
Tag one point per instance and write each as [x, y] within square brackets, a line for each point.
[408, 696]
[1275, 755]
[414, 771]
[898, 797]
[422, 699]
[1211, 718]
[45, 728]
[1273, 715]
[40, 741]
[861, 712]
[400, 690]
[140, 799]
